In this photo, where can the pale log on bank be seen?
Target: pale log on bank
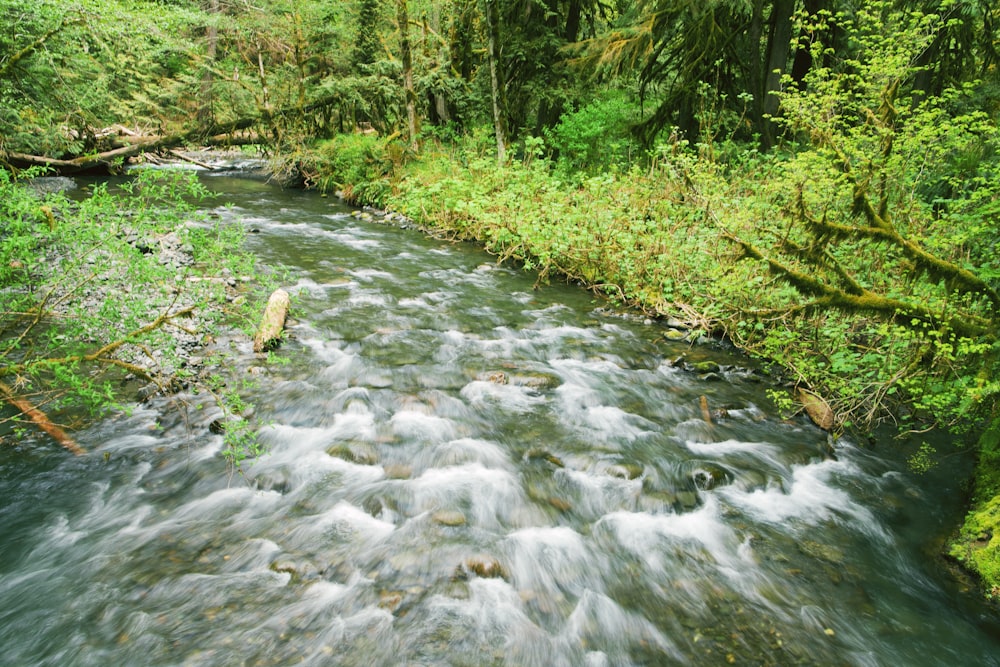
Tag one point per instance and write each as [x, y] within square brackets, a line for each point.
[273, 322]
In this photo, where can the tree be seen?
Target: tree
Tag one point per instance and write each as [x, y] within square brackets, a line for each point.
[866, 234]
[412, 120]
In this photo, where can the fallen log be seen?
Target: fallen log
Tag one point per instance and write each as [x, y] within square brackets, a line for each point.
[40, 419]
[185, 158]
[110, 161]
[273, 322]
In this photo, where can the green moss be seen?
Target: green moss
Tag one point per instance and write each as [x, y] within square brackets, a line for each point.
[978, 543]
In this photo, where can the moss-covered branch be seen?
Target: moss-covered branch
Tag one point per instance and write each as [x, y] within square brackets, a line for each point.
[881, 229]
[907, 314]
[8, 65]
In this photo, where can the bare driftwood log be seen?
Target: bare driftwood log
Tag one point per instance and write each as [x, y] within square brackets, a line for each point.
[40, 419]
[273, 322]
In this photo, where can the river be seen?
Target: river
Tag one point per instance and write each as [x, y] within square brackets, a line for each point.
[464, 470]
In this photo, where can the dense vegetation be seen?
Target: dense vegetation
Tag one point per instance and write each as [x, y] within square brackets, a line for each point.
[819, 180]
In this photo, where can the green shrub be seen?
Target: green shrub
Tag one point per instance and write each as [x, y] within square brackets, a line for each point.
[597, 137]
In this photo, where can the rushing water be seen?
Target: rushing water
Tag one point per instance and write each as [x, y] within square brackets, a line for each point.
[466, 471]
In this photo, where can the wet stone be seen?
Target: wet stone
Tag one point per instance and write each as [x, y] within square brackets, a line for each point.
[360, 453]
[687, 499]
[708, 477]
[482, 568]
[496, 377]
[560, 504]
[300, 570]
[538, 381]
[628, 471]
[538, 454]
[825, 552]
[397, 471]
[449, 518]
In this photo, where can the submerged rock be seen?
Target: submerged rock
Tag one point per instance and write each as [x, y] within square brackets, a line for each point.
[538, 454]
[483, 568]
[709, 476]
[625, 470]
[449, 518]
[361, 453]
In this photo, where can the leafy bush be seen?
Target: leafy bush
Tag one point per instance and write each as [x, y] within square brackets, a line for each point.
[598, 136]
[359, 165]
[87, 299]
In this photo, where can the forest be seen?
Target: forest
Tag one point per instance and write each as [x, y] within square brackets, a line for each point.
[817, 181]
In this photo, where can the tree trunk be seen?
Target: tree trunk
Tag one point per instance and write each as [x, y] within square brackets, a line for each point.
[778, 48]
[803, 56]
[440, 102]
[412, 122]
[206, 112]
[756, 67]
[573, 15]
[498, 117]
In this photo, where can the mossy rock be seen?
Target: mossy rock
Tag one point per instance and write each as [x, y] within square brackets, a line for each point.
[818, 550]
[538, 381]
[978, 545]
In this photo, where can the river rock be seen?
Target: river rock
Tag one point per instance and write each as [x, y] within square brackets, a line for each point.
[538, 454]
[625, 470]
[496, 377]
[687, 499]
[397, 471]
[709, 476]
[825, 552]
[361, 453]
[300, 570]
[484, 568]
[451, 518]
[539, 381]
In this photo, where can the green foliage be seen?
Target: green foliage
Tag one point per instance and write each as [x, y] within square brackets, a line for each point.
[359, 165]
[87, 298]
[240, 442]
[71, 69]
[598, 137]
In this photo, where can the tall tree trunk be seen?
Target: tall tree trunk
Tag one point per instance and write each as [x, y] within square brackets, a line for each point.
[803, 57]
[573, 16]
[300, 64]
[441, 57]
[495, 79]
[778, 49]
[756, 68]
[412, 122]
[206, 112]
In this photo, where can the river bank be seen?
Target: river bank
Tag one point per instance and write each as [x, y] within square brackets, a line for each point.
[661, 241]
